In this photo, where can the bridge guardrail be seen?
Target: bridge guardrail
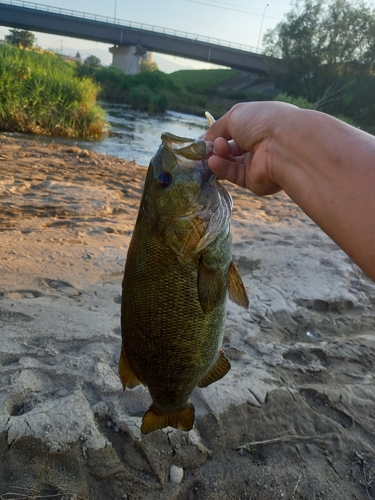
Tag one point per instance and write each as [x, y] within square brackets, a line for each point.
[130, 24]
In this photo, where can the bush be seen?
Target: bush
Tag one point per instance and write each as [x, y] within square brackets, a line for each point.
[40, 94]
[140, 98]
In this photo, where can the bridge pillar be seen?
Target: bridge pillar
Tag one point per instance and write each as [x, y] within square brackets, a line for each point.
[127, 58]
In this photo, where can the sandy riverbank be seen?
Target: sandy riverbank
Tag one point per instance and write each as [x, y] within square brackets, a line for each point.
[303, 357]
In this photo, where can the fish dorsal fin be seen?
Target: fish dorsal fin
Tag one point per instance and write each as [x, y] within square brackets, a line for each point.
[220, 368]
[127, 376]
[210, 286]
[182, 420]
[236, 288]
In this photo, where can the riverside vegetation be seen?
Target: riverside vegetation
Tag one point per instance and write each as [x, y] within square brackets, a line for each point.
[187, 91]
[41, 94]
[316, 60]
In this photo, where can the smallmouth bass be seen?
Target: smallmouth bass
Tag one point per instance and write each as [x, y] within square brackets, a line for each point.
[177, 273]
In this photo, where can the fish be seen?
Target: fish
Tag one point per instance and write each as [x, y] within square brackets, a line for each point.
[178, 273]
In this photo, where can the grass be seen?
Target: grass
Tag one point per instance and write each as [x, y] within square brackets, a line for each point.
[40, 93]
[203, 81]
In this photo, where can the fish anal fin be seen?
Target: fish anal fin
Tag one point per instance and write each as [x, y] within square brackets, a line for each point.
[220, 368]
[127, 376]
[182, 420]
[236, 288]
[210, 286]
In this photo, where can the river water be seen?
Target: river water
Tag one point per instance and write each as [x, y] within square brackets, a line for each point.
[135, 135]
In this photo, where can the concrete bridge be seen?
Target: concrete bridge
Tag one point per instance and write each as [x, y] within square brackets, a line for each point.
[131, 40]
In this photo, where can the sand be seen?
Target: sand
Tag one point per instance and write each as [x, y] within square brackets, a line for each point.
[293, 419]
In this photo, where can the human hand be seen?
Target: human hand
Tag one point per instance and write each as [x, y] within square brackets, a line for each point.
[324, 165]
[243, 145]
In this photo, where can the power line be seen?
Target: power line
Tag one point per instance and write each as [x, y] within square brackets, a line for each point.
[244, 11]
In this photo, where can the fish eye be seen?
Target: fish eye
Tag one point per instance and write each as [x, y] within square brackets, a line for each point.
[164, 179]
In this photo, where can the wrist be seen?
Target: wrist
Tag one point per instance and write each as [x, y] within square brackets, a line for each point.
[287, 145]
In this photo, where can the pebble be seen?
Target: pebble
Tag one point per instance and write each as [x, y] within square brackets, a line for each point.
[176, 474]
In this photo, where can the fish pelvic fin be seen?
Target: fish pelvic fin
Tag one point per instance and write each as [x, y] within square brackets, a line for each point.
[236, 288]
[220, 368]
[182, 420]
[126, 374]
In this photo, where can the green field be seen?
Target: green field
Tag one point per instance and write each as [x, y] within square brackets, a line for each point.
[203, 81]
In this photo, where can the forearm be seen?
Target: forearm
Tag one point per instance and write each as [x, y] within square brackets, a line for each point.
[328, 169]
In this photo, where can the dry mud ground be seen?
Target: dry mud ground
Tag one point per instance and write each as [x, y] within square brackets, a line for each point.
[293, 419]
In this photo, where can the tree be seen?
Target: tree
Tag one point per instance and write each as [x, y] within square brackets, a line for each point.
[92, 61]
[148, 66]
[326, 54]
[322, 40]
[21, 38]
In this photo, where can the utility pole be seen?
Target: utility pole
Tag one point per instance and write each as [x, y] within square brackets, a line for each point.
[261, 25]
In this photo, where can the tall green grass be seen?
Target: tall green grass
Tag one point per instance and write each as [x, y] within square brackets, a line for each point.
[40, 93]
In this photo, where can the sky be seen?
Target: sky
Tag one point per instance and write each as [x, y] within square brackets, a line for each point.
[239, 21]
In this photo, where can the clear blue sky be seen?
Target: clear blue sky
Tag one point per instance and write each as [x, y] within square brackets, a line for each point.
[238, 21]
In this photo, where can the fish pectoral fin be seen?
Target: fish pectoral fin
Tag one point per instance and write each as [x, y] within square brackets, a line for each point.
[236, 288]
[182, 420]
[210, 286]
[127, 376]
[220, 368]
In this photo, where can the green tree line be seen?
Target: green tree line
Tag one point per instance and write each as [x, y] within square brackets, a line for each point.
[324, 52]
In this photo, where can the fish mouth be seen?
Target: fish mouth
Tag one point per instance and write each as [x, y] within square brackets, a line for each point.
[187, 150]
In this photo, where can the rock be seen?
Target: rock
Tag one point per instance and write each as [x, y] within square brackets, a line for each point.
[176, 474]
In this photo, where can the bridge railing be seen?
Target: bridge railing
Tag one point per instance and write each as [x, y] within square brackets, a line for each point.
[129, 24]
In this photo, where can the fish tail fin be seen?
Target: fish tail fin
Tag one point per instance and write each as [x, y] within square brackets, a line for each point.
[182, 420]
[127, 376]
